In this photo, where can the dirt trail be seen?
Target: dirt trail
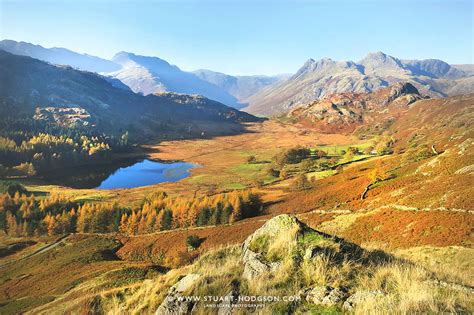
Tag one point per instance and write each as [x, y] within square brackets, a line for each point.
[40, 250]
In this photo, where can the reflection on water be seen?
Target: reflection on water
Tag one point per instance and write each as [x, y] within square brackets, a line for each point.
[146, 173]
[128, 174]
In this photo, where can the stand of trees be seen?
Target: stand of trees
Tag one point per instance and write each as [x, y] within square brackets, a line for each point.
[161, 212]
[22, 215]
[37, 149]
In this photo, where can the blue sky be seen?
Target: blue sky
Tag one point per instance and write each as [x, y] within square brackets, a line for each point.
[247, 37]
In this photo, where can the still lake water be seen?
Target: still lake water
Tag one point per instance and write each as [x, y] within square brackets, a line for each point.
[145, 173]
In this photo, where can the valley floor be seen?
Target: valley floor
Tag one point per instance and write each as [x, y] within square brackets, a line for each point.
[422, 213]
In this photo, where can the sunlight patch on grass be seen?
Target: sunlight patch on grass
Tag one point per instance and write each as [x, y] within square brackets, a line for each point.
[199, 179]
[248, 168]
[92, 197]
[321, 174]
[337, 149]
[79, 195]
[235, 186]
[270, 180]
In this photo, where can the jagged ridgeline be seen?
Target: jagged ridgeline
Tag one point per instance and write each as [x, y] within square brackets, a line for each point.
[316, 79]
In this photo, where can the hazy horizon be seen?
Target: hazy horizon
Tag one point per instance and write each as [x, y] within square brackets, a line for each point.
[246, 38]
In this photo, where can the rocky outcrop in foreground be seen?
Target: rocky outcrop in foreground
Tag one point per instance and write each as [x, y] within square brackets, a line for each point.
[174, 302]
[298, 238]
[285, 257]
[263, 253]
[254, 262]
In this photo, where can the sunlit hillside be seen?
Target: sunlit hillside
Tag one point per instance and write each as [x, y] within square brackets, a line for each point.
[181, 157]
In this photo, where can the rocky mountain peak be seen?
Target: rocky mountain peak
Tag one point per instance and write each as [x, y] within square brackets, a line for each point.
[305, 68]
[122, 54]
[380, 60]
[324, 62]
[152, 63]
[433, 68]
[122, 57]
[377, 55]
[311, 66]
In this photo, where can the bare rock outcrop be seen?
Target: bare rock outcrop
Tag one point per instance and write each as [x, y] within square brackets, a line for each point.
[325, 295]
[253, 256]
[345, 111]
[175, 303]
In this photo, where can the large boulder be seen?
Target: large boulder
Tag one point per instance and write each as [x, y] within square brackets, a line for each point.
[255, 247]
[174, 303]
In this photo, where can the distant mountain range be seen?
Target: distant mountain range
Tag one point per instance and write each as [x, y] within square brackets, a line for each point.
[149, 75]
[263, 95]
[241, 87]
[60, 56]
[316, 79]
[31, 88]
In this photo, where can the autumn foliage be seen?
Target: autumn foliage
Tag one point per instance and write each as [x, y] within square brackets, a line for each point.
[161, 212]
[22, 215]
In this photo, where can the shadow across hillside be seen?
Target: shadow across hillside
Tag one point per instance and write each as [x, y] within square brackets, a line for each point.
[349, 251]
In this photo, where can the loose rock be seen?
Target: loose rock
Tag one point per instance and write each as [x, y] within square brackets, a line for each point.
[325, 295]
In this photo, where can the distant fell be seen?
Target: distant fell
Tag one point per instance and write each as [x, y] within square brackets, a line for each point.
[316, 79]
[61, 56]
[241, 87]
[344, 112]
[29, 85]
